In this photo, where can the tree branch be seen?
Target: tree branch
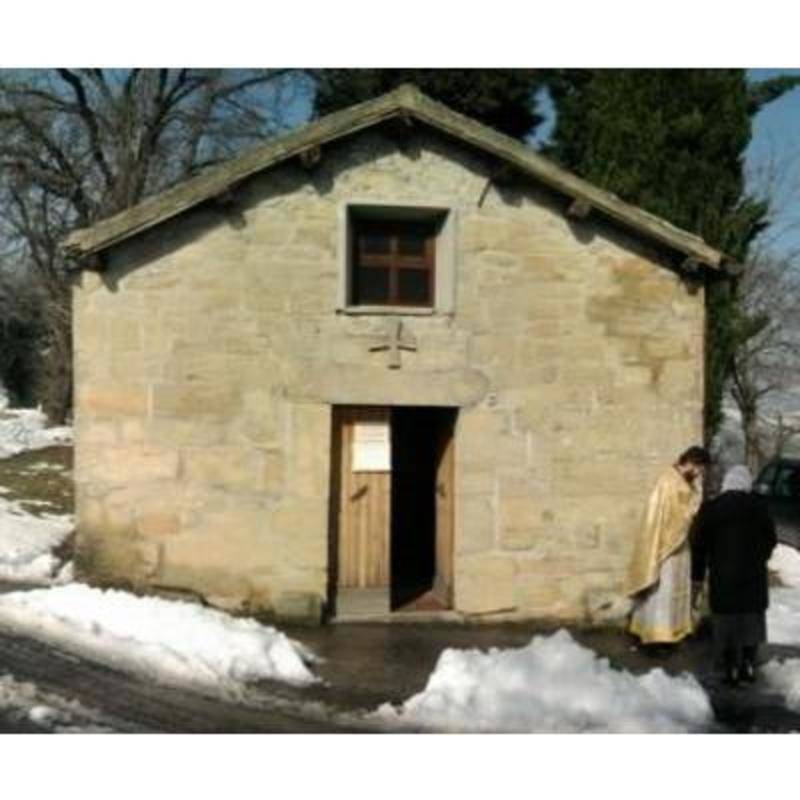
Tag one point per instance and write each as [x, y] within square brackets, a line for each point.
[89, 119]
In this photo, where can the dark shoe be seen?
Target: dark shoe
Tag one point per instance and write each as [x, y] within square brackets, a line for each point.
[657, 649]
[747, 672]
[731, 676]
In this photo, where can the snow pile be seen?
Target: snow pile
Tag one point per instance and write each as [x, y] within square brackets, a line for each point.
[24, 429]
[785, 561]
[784, 677]
[552, 685]
[25, 701]
[175, 642]
[783, 616]
[783, 624]
[26, 542]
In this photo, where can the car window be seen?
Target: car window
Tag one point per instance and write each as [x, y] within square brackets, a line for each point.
[787, 483]
[764, 483]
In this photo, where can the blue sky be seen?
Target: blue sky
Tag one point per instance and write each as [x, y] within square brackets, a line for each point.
[776, 141]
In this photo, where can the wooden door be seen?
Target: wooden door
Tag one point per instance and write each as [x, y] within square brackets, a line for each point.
[445, 514]
[364, 505]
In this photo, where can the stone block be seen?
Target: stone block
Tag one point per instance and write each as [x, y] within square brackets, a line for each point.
[137, 464]
[157, 524]
[133, 431]
[236, 468]
[126, 334]
[541, 596]
[299, 534]
[97, 432]
[476, 531]
[274, 472]
[484, 584]
[195, 432]
[309, 453]
[191, 400]
[298, 608]
[117, 400]
[519, 522]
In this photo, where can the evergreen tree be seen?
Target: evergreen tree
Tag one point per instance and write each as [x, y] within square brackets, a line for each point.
[502, 98]
[673, 142]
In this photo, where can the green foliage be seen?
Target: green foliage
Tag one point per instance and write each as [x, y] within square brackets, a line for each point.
[502, 98]
[672, 142]
[766, 91]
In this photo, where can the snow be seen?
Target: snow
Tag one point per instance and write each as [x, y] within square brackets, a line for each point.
[26, 542]
[784, 676]
[24, 429]
[783, 615]
[26, 701]
[552, 685]
[174, 642]
[783, 624]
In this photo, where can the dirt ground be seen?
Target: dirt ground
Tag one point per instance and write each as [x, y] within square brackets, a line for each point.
[40, 480]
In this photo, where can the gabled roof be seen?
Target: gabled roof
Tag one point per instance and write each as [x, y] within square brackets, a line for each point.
[404, 102]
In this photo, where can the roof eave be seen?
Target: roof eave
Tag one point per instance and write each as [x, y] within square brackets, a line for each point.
[405, 100]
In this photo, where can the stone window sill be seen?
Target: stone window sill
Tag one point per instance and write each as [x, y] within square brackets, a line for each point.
[394, 311]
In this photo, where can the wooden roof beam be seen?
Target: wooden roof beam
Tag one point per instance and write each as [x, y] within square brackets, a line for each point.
[310, 157]
[690, 265]
[579, 208]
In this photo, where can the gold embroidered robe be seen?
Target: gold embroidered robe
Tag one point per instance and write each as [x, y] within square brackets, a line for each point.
[659, 577]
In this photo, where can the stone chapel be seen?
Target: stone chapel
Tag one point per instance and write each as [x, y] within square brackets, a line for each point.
[391, 363]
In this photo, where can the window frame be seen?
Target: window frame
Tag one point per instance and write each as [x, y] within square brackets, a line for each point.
[439, 215]
[394, 261]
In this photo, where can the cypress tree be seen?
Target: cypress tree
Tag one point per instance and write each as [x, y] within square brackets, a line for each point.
[502, 98]
[673, 142]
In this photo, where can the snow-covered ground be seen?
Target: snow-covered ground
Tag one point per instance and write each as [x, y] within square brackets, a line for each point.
[46, 711]
[783, 624]
[552, 685]
[27, 543]
[27, 540]
[170, 641]
[24, 429]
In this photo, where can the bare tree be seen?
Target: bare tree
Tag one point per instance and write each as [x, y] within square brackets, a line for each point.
[786, 430]
[77, 145]
[768, 361]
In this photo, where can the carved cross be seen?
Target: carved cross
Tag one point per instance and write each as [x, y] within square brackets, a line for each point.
[396, 340]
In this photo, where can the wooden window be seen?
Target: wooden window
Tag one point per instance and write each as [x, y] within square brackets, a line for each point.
[393, 263]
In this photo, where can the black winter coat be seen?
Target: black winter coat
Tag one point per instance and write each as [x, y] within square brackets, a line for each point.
[733, 536]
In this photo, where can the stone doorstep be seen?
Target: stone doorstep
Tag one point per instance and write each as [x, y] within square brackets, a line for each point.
[400, 617]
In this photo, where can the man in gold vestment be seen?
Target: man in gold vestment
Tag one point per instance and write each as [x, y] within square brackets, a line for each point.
[659, 577]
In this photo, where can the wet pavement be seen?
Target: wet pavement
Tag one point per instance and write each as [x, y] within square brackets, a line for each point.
[131, 704]
[362, 665]
[366, 664]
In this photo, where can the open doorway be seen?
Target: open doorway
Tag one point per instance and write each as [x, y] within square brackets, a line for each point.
[421, 441]
[392, 509]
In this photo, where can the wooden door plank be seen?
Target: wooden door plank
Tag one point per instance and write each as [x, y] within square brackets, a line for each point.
[364, 511]
[445, 513]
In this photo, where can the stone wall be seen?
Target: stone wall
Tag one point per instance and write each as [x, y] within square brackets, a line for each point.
[210, 351]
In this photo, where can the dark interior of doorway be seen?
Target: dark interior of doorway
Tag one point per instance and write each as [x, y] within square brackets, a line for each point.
[419, 435]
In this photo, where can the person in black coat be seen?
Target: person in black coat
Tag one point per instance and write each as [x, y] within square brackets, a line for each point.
[732, 538]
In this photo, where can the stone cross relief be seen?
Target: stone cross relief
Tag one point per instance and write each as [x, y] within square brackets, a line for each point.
[395, 340]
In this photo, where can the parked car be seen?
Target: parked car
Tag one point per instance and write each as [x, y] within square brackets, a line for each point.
[779, 484]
